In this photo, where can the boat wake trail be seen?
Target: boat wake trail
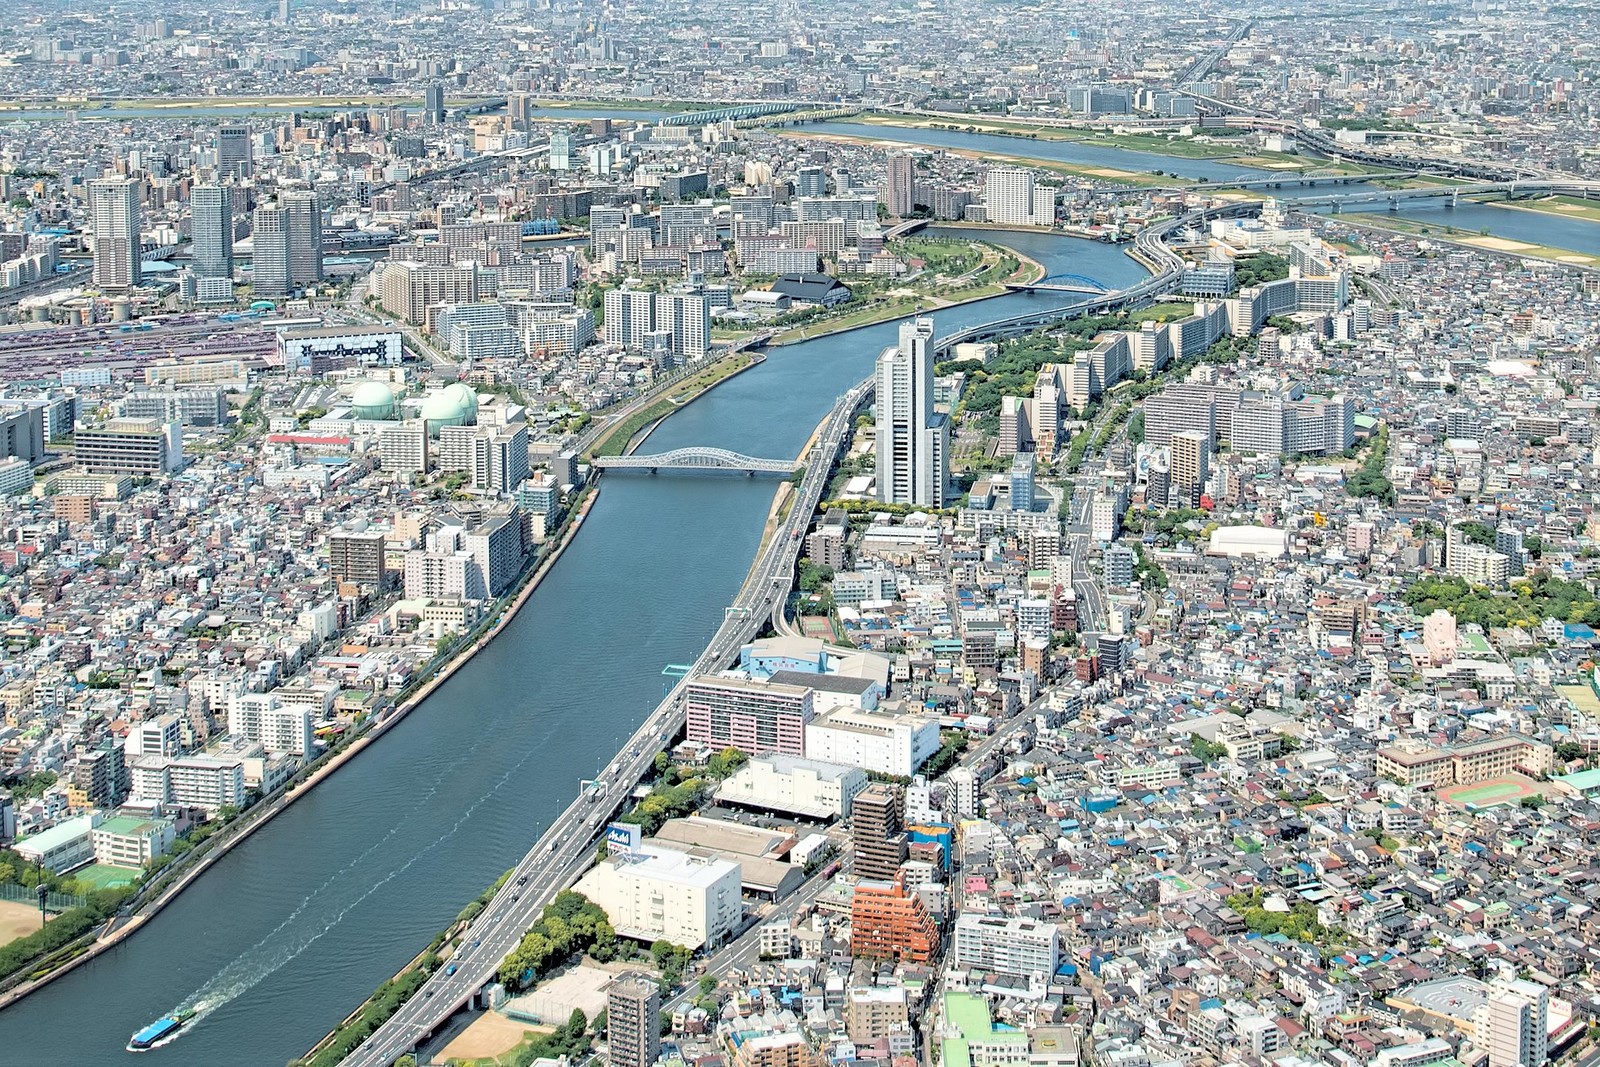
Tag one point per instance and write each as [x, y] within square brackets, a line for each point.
[275, 950]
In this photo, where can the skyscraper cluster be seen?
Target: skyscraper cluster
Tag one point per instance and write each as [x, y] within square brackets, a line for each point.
[287, 244]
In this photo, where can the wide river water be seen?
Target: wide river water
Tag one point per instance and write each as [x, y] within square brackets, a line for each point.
[300, 922]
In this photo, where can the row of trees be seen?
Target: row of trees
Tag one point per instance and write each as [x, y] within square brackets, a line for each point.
[678, 792]
[570, 924]
[1370, 480]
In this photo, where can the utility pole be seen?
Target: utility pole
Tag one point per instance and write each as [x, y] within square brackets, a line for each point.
[43, 891]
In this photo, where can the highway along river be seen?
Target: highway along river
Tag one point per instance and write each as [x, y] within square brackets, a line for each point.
[1527, 226]
[299, 923]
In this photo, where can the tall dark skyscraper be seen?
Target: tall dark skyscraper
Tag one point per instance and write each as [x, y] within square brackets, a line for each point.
[269, 258]
[433, 104]
[305, 236]
[211, 207]
[233, 151]
[875, 831]
[288, 244]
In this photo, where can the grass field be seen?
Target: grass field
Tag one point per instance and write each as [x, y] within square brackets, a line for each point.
[1567, 207]
[102, 876]
[17, 920]
[1511, 789]
[1475, 240]
[615, 441]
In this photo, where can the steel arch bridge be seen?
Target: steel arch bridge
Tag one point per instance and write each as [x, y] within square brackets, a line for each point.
[1076, 283]
[704, 459]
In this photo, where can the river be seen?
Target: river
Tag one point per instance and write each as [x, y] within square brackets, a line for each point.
[1529, 226]
[301, 921]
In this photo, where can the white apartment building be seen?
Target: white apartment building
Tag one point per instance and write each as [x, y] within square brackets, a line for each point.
[1011, 198]
[1017, 947]
[197, 781]
[263, 718]
[913, 440]
[1513, 1027]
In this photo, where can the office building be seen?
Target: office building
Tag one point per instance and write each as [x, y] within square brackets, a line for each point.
[114, 209]
[1512, 1027]
[356, 556]
[876, 817]
[900, 185]
[1017, 947]
[1022, 481]
[233, 151]
[130, 446]
[25, 428]
[633, 1021]
[888, 922]
[754, 717]
[270, 274]
[433, 104]
[211, 230]
[305, 236]
[913, 439]
[811, 181]
[652, 894]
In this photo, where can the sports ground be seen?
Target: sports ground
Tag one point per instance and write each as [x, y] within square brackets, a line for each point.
[1510, 789]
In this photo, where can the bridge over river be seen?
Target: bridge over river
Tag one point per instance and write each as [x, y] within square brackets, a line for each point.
[697, 459]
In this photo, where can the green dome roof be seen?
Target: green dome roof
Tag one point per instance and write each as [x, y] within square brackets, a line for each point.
[373, 400]
[447, 407]
[467, 398]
